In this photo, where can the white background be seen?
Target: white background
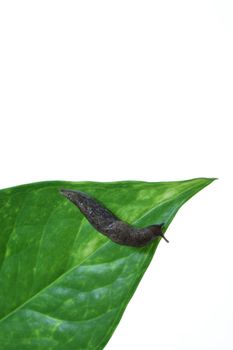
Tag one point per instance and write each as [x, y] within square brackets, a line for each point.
[117, 90]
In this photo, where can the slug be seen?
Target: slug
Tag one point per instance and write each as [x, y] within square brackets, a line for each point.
[108, 224]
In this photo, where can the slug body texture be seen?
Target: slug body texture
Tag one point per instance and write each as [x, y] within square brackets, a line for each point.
[108, 224]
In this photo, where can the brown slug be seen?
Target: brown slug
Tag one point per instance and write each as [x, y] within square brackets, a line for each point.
[107, 223]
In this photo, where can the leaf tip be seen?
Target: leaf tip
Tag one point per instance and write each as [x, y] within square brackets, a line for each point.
[207, 180]
[211, 179]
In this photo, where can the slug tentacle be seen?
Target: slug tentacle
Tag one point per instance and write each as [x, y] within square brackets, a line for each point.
[104, 221]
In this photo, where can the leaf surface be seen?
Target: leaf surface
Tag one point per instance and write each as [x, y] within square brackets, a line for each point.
[64, 286]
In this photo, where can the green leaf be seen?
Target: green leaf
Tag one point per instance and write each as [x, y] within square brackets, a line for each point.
[63, 285]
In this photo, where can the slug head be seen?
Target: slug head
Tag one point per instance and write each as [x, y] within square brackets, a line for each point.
[158, 231]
